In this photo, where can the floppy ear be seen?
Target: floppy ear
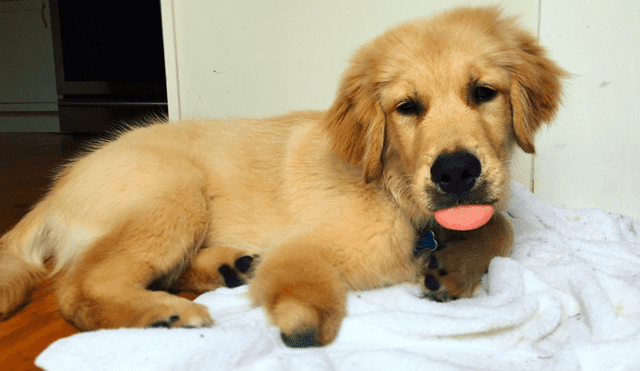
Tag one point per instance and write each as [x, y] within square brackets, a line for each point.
[356, 123]
[535, 90]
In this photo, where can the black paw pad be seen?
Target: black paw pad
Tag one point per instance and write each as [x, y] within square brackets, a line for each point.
[165, 324]
[230, 276]
[243, 263]
[305, 339]
[159, 324]
[431, 283]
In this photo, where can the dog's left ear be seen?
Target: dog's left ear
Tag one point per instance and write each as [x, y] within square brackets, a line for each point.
[536, 89]
[355, 122]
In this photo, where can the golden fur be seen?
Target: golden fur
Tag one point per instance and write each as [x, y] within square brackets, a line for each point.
[325, 202]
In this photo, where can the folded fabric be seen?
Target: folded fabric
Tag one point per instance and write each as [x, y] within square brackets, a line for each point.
[567, 299]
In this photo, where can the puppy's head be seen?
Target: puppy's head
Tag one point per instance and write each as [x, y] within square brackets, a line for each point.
[435, 107]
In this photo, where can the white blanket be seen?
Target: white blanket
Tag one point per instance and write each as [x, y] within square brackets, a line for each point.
[568, 298]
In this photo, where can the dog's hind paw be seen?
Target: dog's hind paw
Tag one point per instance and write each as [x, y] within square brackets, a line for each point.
[215, 267]
[187, 315]
[242, 268]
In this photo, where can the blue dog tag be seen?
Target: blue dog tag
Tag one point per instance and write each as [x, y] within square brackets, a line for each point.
[426, 241]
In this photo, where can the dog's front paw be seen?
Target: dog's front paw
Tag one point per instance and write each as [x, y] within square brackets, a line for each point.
[304, 326]
[302, 293]
[308, 314]
[437, 285]
[455, 268]
[446, 278]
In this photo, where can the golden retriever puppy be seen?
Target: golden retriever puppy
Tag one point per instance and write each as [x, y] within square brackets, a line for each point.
[304, 206]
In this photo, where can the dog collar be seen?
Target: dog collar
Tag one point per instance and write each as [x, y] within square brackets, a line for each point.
[425, 241]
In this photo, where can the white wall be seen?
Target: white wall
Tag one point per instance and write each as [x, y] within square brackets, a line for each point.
[257, 58]
[590, 157]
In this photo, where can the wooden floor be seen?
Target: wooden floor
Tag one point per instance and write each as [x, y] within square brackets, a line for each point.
[27, 162]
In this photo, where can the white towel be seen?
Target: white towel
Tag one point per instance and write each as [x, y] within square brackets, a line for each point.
[567, 299]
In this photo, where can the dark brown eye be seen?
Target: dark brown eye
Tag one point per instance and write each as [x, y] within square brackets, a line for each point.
[483, 94]
[409, 108]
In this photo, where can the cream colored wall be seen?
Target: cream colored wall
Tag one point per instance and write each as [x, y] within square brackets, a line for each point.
[256, 58]
[590, 157]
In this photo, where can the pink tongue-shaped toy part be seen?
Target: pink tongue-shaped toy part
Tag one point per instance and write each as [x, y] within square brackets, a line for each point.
[465, 217]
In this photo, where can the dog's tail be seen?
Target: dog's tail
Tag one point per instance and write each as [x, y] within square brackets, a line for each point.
[23, 251]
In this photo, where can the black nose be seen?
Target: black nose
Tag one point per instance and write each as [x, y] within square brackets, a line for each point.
[456, 172]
